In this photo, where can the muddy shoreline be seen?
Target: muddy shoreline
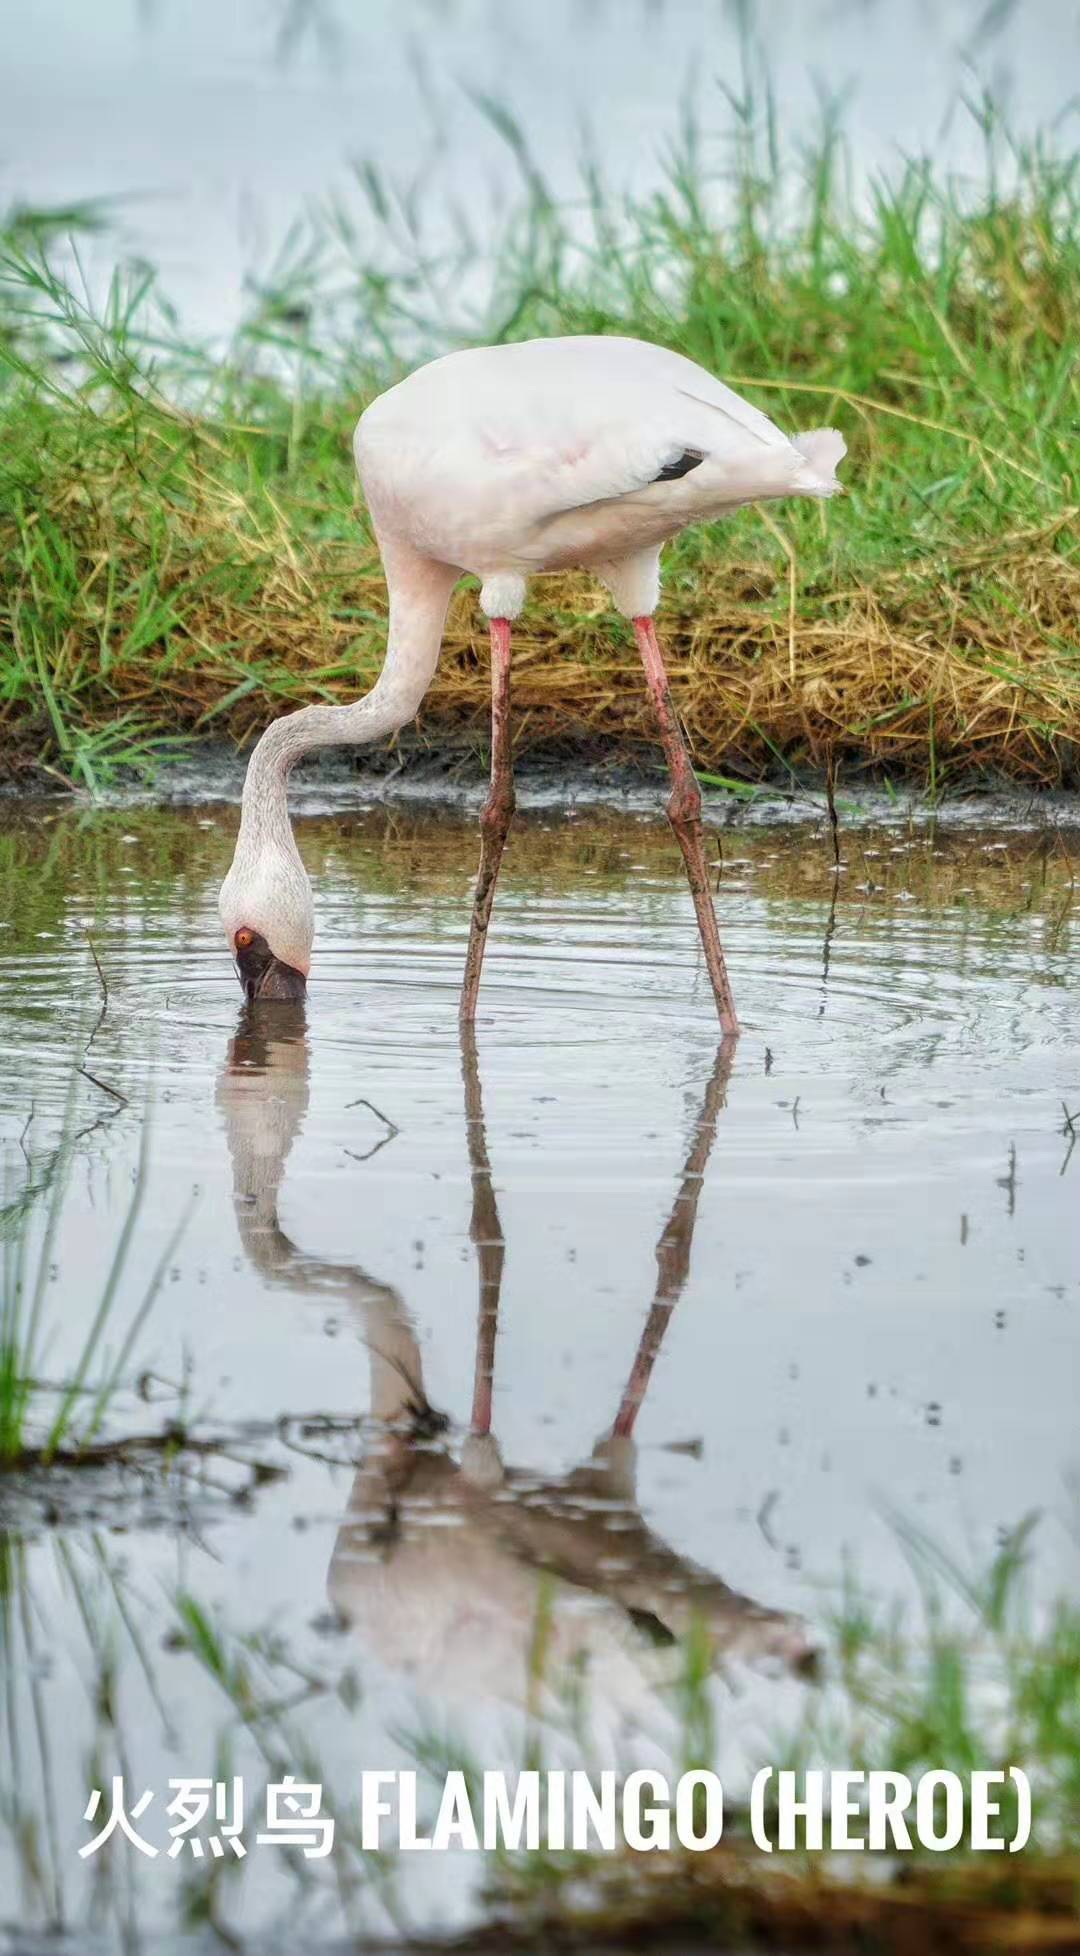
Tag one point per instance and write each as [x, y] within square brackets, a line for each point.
[453, 778]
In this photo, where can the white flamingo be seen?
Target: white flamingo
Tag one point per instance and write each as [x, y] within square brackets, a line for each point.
[447, 1560]
[504, 461]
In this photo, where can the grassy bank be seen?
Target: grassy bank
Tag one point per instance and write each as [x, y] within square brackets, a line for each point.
[180, 570]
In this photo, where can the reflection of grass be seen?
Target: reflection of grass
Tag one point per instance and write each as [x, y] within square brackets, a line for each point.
[979, 1687]
[975, 1688]
[27, 1431]
[974, 1685]
[167, 570]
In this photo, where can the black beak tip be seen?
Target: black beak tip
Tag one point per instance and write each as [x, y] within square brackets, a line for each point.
[264, 976]
[282, 981]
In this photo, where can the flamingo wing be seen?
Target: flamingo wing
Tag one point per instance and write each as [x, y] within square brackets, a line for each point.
[503, 441]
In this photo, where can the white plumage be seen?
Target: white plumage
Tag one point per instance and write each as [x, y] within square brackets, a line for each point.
[540, 455]
[505, 461]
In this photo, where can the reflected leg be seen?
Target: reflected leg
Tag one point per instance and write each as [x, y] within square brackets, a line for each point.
[481, 1461]
[684, 814]
[495, 820]
[674, 1245]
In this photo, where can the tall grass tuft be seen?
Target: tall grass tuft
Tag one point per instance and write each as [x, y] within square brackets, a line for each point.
[182, 551]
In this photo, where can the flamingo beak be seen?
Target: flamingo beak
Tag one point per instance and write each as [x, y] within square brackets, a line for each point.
[262, 975]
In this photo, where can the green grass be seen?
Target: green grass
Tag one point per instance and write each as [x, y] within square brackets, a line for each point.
[974, 1679]
[182, 551]
[977, 1680]
[39, 1421]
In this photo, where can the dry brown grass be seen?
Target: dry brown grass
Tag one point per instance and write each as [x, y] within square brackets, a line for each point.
[873, 678]
[948, 665]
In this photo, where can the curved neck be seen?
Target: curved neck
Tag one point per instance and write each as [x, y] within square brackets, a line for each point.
[419, 594]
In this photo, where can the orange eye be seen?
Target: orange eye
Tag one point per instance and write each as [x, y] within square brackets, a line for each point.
[243, 939]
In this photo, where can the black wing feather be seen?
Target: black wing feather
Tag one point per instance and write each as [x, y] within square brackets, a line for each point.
[691, 458]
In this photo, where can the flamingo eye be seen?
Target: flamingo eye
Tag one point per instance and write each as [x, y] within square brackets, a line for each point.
[243, 939]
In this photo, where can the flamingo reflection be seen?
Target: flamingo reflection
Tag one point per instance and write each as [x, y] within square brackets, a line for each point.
[447, 1559]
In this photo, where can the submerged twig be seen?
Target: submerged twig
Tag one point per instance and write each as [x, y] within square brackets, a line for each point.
[830, 803]
[1069, 1128]
[1008, 1181]
[826, 947]
[377, 1111]
[104, 983]
[391, 1127]
[128, 1450]
[382, 1142]
[104, 1086]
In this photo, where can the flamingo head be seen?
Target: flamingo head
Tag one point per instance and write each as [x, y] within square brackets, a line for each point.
[268, 918]
[262, 973]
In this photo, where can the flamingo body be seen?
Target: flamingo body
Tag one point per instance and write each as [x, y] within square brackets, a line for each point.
[505, 461]
[547, 454]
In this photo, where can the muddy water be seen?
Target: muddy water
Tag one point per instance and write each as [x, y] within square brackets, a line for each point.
[733, 1311]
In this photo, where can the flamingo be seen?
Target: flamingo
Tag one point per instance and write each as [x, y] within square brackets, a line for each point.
[503, 461]
[445, 1556]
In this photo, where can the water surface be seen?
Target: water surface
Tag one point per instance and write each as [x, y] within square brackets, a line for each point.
[828, 1278]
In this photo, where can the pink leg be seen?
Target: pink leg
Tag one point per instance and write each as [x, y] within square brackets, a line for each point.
[496, 817]
[684, 814]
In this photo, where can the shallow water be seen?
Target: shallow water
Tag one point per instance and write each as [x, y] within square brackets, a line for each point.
[838, 1269]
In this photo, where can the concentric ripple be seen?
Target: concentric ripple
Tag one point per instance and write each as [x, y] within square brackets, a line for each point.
[829, 1277]
[887, 1212]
